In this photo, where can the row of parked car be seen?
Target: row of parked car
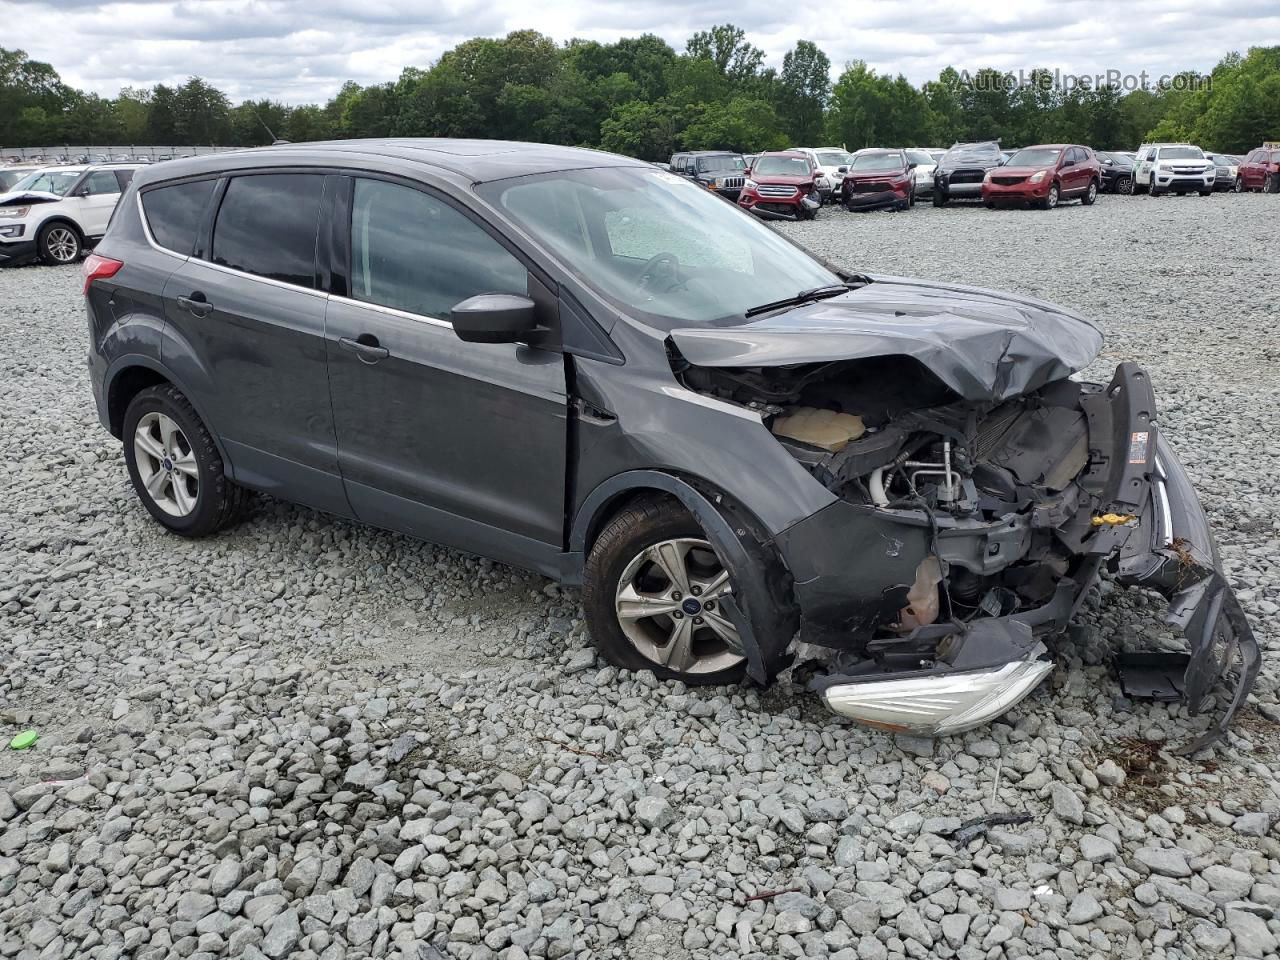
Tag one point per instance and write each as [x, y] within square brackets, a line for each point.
[52, 213]
[794, 184]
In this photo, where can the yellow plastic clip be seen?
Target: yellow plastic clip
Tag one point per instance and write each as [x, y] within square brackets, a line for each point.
[1113, 519]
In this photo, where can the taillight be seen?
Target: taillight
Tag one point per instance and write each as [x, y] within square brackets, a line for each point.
[98, 268]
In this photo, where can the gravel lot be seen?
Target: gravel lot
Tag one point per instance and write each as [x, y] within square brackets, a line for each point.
[305, 738]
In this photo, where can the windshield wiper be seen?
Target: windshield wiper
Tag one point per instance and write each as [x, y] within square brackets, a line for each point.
[804, 296]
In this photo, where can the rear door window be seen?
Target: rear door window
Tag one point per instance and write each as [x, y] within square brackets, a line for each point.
[412, 251]
[124, 178]
[266, 226]
[175, 213]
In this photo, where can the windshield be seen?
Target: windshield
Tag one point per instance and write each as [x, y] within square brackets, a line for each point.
[48, 181]
[656, 245]
[1181, 153]
[709, 164]
[768, 166]
[877, 161]
[919, 156]
[1035, 157]
[832, 158]
[967, 152]
[1221, 160]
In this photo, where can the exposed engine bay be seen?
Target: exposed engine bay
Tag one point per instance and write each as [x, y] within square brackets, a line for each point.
[977, 527]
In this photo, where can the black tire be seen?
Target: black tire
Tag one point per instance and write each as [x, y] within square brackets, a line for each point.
[219, 502]
[1151, 189]
[939, 199]
[1205, 193]
[989, 205]
[1238, 186]
[642, 524]
[1091, 194]
[1124, 185]
[59, 243]
[1051, 198]
[848, 205]
[1271, 184]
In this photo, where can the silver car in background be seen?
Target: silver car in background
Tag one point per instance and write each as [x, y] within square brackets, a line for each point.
[832, 162]
[926, 164]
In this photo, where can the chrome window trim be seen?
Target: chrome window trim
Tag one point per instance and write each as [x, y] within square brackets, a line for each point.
[392, 311]
[146, 232]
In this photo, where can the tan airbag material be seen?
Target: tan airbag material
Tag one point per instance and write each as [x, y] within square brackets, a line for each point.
[826, 429]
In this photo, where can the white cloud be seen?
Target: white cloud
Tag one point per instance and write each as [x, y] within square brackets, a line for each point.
[303, 51]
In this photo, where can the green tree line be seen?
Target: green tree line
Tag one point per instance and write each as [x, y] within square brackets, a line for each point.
[638, 96]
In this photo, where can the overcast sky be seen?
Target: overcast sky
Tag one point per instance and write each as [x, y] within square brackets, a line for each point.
[303, 50]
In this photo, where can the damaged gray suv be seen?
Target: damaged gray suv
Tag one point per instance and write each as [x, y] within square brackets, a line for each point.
[594, 369]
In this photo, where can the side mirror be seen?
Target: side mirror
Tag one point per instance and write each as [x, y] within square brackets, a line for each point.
[493, 318]
[842, 169]
[912, 166]
[82, 192]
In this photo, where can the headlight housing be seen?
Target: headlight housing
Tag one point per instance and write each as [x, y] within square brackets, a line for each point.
[13, 213]
[749, 185]
[987, 178]
[1038, 177]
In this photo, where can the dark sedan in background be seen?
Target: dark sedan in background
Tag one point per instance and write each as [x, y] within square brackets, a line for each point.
[1117, 171]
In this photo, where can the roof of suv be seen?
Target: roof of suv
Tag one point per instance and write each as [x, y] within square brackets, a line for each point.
[474, 161]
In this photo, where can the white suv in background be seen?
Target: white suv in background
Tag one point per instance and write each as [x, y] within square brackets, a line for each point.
[832, 162]
[1180, 167]
[54, 213]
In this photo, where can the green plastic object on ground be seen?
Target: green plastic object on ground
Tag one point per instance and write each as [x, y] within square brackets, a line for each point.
[27, 738]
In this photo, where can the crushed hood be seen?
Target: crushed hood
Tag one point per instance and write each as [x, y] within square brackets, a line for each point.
[984, 345]
[27, 197]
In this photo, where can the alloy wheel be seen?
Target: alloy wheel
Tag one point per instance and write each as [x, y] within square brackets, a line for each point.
[1051, 199]
[61, 244]
[668, 604]
[166, 464]
[1125, 185]
[1093, 193]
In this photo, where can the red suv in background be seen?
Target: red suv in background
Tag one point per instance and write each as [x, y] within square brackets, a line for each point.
[1260, 170]
[782, 186]
[1043, 175]
[877, 179]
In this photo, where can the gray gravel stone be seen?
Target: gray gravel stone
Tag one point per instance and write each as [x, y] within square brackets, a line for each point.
[311, 739]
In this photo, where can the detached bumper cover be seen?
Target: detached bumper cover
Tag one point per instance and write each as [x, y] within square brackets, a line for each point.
[16, 252]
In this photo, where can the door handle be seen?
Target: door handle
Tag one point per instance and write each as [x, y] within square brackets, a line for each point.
[196, 304]
[366, 347]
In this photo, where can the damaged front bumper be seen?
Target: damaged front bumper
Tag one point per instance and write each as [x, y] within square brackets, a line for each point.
[1134, 513]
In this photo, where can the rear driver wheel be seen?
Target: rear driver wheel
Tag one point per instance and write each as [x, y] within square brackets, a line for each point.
[652, 592]
[175, 466]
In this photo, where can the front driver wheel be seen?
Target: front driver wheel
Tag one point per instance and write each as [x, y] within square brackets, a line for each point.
[652, 592]
[1238, 186]
[1051, 198]
[59, 243]
[1125, 185]
[1091, 194]
[175, 466]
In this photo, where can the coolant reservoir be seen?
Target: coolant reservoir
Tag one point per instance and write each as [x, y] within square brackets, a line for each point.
[826, 429]
[922, 598]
